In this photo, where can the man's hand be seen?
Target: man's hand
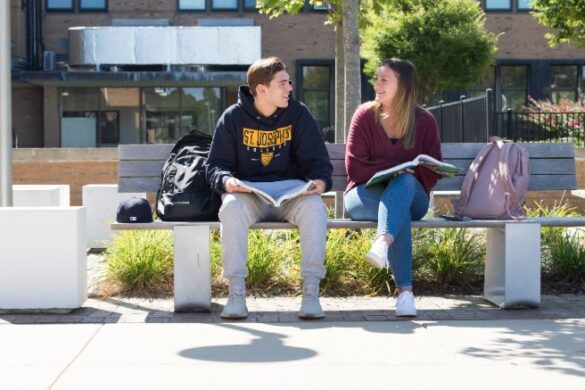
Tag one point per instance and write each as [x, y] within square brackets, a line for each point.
[234, 185]
[317, 188]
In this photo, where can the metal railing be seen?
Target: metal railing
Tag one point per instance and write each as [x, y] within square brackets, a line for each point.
[541, 126]
[467, 120]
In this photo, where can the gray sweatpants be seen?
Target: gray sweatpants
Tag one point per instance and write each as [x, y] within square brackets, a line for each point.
[240, 210]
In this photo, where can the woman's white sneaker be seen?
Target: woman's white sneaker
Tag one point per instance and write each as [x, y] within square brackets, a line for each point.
[377, 256]
[405, 305]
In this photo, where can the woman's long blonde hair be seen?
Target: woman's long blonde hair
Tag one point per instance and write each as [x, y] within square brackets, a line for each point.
[404, 103]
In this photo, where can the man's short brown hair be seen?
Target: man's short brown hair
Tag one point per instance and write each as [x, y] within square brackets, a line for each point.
[262, 72]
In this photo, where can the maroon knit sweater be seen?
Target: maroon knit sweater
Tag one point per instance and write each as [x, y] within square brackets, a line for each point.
[369, 149]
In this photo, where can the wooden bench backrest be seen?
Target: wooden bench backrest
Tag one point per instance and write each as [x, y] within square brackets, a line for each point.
[552, 165]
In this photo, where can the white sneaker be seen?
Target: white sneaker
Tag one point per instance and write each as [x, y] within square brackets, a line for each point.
[377, 256]
[310, 306]
[405, 305]
[236, 304]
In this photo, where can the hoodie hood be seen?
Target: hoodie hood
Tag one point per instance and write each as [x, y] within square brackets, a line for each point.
[246, 102]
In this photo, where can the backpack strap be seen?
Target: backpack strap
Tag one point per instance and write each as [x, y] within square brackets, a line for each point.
[512, 194]
[470, 177]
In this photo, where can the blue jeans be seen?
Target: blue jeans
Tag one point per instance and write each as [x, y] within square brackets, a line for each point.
[394, 206]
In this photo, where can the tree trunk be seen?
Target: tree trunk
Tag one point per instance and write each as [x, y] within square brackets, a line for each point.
[339, 105]
[339, 86]
[351, 54]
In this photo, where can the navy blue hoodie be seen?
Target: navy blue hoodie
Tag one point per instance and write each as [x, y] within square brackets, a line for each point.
[249, 146]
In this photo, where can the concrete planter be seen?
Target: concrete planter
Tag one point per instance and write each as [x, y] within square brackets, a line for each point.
[40, 195]
[43, 261]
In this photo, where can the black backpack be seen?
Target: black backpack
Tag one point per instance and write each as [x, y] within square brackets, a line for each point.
[184, 194]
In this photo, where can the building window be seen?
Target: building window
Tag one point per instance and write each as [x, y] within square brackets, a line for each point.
[59, 5]
[169, 113]
[513, 86]
[200, 109]
[79, 116]
[106, 117]
[486, 81]
[524, 5]
[93, 5]
[498, 5]
[119, 109]
[563, 83]
[315, 90]
[250, 5]
[162, 114]
[191, 5]
[223, 5]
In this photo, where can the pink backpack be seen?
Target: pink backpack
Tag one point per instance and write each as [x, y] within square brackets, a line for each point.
[495, 184]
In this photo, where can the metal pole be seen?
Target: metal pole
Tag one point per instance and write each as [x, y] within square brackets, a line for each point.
[489, 112]
[509, 124]
[5, 108]
[461, 104]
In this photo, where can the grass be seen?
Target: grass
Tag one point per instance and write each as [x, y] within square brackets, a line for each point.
[346, 271]
[450, 256]
[140, 263]
[563, 250]
[564, 258]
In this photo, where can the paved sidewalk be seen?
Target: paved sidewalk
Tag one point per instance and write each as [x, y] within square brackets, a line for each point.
[283, 309]
[458, 342]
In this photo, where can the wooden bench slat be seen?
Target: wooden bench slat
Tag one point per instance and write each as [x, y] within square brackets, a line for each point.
[144, 151]
[137, 168]
[138, 184]
[337, 151]
[535, 150]
[140, 168]
[537, 183]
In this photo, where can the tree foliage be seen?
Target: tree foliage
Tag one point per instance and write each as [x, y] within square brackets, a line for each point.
[565, 17]
[445, 39]
[275, 8]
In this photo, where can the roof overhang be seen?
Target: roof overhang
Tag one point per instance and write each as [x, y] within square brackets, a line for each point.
[134, 79]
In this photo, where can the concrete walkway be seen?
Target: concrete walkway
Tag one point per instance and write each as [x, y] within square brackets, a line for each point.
[455, 343]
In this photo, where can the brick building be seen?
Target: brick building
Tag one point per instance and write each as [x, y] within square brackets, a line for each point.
[95, 73]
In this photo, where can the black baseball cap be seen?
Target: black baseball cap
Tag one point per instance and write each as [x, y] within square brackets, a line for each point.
[134, 210]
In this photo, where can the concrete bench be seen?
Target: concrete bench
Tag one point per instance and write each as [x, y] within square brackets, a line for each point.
[512, 264]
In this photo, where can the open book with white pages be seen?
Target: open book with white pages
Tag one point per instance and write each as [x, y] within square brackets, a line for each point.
[423, 160]
[277, 193]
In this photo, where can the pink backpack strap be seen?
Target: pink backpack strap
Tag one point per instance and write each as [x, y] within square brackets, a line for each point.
[470, 177]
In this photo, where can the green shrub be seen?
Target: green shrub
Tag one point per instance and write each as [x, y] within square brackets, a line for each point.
[140, 262]
[563, 252]
[347, 273]
[451, 256]
[552, 235]
[564, 257]
[273, 258]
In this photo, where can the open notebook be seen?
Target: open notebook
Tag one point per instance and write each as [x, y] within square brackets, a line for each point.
[424, 160]
[277, 193]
